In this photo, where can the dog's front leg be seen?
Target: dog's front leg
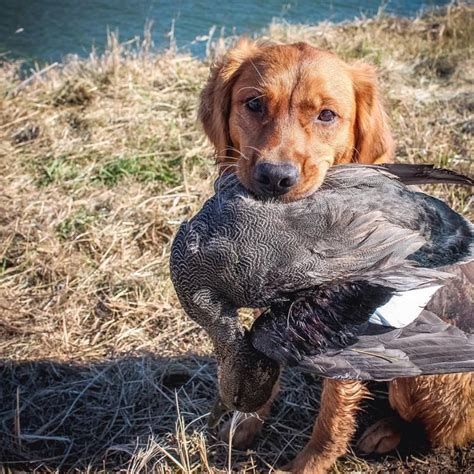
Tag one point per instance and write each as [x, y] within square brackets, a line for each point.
[333, 429]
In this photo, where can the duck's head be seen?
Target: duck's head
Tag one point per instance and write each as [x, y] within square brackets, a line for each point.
[246, 380]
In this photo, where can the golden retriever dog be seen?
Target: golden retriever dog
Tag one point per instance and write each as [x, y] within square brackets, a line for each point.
[279, 116]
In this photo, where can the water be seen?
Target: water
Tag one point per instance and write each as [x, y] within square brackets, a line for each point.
[47, 30]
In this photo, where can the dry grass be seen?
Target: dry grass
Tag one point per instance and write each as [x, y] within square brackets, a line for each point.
[100, 160]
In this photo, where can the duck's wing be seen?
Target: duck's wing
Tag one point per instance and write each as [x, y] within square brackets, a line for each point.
[310, 340]
[360, 247]
[425, 347]
[376, 244]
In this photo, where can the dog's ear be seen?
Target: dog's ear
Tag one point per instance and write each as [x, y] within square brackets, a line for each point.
[215, 100]
[373, 139]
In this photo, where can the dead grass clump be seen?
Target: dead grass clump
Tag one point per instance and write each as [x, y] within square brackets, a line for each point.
[74, 94]
[100, 160]
[25, 134]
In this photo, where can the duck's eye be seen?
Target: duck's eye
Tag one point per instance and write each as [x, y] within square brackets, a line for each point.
[326, 115]
[254, 104]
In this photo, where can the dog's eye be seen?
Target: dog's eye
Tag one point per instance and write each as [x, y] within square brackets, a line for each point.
[254, 104]
[326, 115]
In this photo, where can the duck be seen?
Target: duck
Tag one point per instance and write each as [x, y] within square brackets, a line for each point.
[346, 276]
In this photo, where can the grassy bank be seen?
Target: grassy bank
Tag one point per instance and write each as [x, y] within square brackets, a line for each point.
[100, 160]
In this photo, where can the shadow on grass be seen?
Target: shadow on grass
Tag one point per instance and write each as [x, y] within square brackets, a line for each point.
[58, 416]
[148, 414]
[135, 413]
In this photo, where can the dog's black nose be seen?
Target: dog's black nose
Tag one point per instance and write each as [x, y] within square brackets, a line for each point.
[275, 179]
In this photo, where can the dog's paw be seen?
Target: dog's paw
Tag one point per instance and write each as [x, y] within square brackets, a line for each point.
[305, 463]
[288, 467]
[244, 434]
[381, 437]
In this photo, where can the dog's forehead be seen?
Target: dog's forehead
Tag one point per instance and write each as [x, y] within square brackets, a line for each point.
[304, 73]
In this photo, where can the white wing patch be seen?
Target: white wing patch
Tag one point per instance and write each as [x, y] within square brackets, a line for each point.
[404, 307]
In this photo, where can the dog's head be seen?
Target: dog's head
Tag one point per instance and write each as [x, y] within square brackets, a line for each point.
[280, 115]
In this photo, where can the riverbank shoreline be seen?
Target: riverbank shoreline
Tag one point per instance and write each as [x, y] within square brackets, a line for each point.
[100, 160]
[45, 32]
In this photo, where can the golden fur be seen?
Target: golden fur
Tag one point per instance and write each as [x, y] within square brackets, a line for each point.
[296, 83]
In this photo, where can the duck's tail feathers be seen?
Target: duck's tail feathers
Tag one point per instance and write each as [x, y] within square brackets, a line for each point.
[425, 174]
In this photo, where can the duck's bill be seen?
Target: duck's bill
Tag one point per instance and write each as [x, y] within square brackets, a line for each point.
[217, 412]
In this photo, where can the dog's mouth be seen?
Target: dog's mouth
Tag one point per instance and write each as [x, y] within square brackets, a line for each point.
[289, 197]
[307, 185]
